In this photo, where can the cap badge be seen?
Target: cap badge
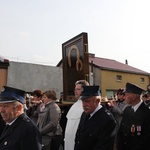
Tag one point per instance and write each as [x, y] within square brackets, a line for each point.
[3, 89]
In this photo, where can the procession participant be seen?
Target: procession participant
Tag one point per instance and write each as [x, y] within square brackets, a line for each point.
[34, 108]
[134, 131]
[117, 107]
[20, 132]
[73, 115]
[147, 96]
[48, 122]
[96, 130]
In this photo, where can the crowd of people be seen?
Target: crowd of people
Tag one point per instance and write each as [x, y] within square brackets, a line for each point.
[36, 116]
[33, 122]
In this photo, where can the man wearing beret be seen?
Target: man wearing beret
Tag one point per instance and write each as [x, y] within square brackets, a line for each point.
[134, 132]
[20, 132]
[96, 130]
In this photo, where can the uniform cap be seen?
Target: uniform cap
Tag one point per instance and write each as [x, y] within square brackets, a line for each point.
[9, 94]
[89, 91]
[148, 89]
[132, 88]
[120, 91]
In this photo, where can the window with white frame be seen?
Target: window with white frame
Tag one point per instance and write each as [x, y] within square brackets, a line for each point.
[119, 78]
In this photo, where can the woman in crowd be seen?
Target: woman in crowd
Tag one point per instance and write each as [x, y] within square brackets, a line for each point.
[34, 107]
[48, 122]
[117, 108]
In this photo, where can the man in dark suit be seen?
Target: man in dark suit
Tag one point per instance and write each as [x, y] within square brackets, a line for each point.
[96, 130]
[20, 132]
[134, 132]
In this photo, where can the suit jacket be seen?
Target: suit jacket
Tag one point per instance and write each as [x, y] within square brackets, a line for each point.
[21, 135]
[134, 132]
[98, 133]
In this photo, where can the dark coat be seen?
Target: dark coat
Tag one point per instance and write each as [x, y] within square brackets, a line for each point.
[98, 133]
[33, 111]
[134, 132]
[2, 124]
[21, 135]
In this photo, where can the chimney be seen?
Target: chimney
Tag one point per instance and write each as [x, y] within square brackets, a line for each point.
[126, 62]
[91, 55]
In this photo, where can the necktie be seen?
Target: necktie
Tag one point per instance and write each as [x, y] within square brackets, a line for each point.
[132, 111]
[87, 118]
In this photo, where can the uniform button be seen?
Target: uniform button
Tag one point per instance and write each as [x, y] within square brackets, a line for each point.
[5, 143]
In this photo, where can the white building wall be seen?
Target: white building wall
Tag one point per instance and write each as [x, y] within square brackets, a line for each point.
[30, 77]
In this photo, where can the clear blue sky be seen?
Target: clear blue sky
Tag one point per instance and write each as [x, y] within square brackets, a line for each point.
[34, 30]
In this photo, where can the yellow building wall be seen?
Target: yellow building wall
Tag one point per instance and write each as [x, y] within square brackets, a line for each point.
[109, 80]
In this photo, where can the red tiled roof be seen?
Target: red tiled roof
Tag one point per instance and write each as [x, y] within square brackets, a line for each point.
[110, 64]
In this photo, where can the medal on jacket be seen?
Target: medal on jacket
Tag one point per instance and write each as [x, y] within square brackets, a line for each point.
[133, 129]
[138, 130]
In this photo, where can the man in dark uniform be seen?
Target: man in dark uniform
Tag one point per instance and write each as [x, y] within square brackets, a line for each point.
[134, 132]
[147, 96]
[20, 132]
[96, 130]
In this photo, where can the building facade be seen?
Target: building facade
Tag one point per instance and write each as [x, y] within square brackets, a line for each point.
[111, 75]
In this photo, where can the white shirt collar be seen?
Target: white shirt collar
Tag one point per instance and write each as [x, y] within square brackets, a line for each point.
[137, 106]
[98, 107]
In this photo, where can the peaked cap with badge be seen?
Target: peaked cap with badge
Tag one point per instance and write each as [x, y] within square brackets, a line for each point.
[148, 89]
[133, 88]
[9, 94]
[89, 91]
[120, 91]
